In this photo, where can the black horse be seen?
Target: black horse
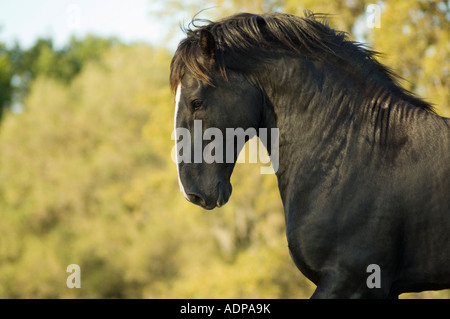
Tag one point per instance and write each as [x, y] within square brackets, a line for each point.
[364, 165]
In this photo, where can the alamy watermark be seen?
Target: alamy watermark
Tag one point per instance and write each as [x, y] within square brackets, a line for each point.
[189, 149]
[373, 16]
[74, 279]
[73, 21]
[374, 279]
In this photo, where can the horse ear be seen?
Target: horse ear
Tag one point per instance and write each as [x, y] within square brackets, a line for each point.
[207, 44]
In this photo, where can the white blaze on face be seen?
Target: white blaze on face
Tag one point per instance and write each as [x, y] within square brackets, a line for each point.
[177, 102]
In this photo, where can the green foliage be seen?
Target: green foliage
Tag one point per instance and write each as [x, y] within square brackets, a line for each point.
[5, 79]
[43, 59]
[62, 64]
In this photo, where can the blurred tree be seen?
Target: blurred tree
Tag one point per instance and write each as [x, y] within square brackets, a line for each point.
[75, 169]
[62, 64]
[5, 79]
[414, 36]
[18, 67]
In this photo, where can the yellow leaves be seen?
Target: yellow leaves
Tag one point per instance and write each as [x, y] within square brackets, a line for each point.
[40, 271]
[414, 40]
[247, 276]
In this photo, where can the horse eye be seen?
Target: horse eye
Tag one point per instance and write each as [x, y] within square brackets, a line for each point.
[196, 104]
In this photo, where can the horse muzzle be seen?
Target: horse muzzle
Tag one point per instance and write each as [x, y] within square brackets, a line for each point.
[220, 197]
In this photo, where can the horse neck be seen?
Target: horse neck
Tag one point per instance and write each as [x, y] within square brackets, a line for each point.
[325, 120]
[306, 104]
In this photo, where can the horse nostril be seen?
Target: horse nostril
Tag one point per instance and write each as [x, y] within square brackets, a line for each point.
[196, 199]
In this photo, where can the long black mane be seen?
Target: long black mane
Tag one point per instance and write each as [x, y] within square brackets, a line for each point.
[251, 37]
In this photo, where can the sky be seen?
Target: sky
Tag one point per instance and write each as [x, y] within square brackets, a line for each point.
[129, 20]
[26, 20]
